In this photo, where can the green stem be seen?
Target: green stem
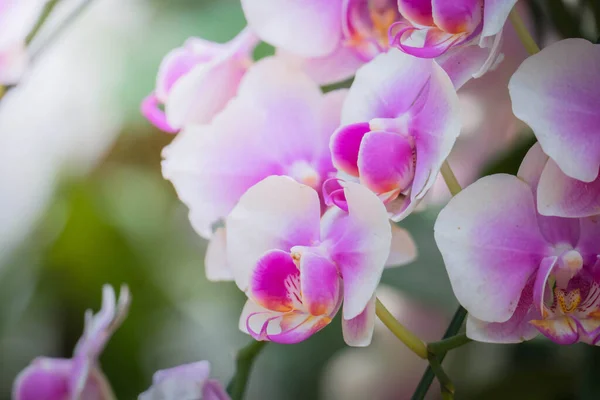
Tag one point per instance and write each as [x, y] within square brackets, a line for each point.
[411, 340]
[450, 179]
[244, 361]
[517, 23]
[427, 379]
[48, 8]
[445, 345]
[443, 378]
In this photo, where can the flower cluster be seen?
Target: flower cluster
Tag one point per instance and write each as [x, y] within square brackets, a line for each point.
[523, 253]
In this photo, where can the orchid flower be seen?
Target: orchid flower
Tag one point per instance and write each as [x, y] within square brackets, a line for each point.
[399, 123]
[188, 381]
[196, 81]
[556, 93]
[330, 39]
[462, 33]
[17, 18]
[516, 271]
[297, 267]
[79, 377]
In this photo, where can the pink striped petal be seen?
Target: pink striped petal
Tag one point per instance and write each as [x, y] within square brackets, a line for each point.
[345, 145]
[556, 92]
[359, 243]
[457, 16]
[386, 162]
[416, 11]
[491, 244]
[310, 28]
[275, 282]
[358, 331]
[286, 328]
[320, 283]
[562, 196]
[462, 64]
[277, 213]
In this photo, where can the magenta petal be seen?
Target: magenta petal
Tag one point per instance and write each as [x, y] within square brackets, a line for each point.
[589, 245]
[541, 282]
[275, 282]
[358, 331]
[320, 283]
[416, 11]
[491, 244]
[150, 109]
[457, 16]
[386, 162]
[45, 378]
[345, 145]
[556, 93]
[562, 196]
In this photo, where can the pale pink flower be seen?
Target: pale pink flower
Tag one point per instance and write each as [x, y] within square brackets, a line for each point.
[556, 92]
[196, 81]
[79, 377]
[517, 272]
[297, 267]
[187, 381]
[399, 123]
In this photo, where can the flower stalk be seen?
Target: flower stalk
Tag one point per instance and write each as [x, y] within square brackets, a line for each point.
[244, 362]
[411, 340]
[524, 35]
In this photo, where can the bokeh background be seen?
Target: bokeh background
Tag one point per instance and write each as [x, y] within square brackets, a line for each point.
[83, 203]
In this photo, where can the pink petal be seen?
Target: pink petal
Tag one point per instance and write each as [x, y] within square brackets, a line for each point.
[495, 13]
[183, 381]
[435, 125]
[216, 265]
[213, 390]
[320, 283]
[45, 378]
[457, 16]
[358, 331]
[562, 196]
[491, 245]
[403, 250]
[461, 64]
[589, 245]
[416, 11]
[150, 109]
[374, 93]
[386, 162]
[275, 282]
[359, 243]
[337, 66]
[561, 330]
[277, 213]
[288, 328]
[345, 145]
[250, 309]
[212, 166]
[541, 282]
[309, 28]
[556, 92]
[424, 42]
[532, 166]
[174, 65]
[13, 63]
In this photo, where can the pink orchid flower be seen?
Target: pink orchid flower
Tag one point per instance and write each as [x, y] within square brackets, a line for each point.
[79, 377]
[187, 381]
[197, 80]
[17, 18]
[297, 267]
[468, 31]
[556, 92]
[516, 271]
[279, 124]
[330, 39]
[399, 123]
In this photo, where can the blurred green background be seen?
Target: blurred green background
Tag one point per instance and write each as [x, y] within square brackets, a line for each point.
[84, 203]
